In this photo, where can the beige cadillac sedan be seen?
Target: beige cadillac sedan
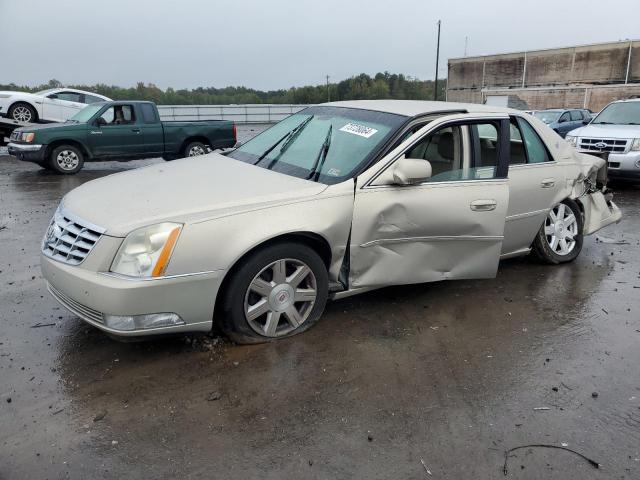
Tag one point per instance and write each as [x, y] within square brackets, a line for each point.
[338, 199]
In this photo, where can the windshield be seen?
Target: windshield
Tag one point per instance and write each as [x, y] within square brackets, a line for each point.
[547, 117]
[623, 113]
[86, 113]
[42, 93]
[324, 144]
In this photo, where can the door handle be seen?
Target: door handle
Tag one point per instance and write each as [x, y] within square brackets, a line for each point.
[136, 130]
[483, 205]
[548, 183]
[95, 132]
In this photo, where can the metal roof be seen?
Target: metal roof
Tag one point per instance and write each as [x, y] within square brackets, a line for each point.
[411, 108]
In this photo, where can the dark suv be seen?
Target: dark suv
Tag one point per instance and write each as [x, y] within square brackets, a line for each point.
[564, 120]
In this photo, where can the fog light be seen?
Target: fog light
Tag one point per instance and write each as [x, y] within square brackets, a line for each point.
[140, 322]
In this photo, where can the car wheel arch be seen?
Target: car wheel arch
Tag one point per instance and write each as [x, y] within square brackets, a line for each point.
[27, 103]
[313, 240]
[74, 143]
[189, 140]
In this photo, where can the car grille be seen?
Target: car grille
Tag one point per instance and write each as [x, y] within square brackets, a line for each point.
[15, 135]
[70, 304]
[69, 239]
[604, 145]
[614, 164]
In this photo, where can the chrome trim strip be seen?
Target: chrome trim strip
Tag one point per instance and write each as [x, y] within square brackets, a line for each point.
[24, 148]
[443, 238]
[525, 215]
[517, 253]
[120, 276]
[76, 219]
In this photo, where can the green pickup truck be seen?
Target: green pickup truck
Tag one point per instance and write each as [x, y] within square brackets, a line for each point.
[122, 130]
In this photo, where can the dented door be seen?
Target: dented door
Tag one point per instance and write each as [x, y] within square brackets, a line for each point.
[427, 232]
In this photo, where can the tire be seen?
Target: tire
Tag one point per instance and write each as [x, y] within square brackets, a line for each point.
[66, 159]
[258, 307]
[23, 112]
[194, 149]
[548, 244]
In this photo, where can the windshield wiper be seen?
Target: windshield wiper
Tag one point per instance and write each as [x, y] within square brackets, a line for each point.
[602, 123]
[290, 135]
[314, 173]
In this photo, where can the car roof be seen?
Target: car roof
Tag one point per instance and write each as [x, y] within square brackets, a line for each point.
[412, 108]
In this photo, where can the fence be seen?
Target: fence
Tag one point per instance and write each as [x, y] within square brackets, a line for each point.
[258, 113]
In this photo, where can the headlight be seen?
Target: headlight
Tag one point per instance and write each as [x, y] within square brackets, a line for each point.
[635, 145]
[27, 137]
[146, 252]
[573, 141]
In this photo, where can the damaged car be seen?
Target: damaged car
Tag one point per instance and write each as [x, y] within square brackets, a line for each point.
[338, 199]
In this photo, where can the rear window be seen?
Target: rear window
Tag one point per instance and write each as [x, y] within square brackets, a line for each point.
[148, 113]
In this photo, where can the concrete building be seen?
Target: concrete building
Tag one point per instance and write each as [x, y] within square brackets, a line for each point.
[587, 76]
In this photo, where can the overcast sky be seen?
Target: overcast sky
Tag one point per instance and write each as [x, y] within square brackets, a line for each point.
[270, 44]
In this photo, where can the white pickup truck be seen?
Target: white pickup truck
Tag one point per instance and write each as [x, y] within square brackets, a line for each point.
[615, 136]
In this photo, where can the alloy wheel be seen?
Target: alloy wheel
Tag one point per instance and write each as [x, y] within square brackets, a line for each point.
[67, 160]
[560, 229]
[196, 150]
[280, 298]
[22, 114]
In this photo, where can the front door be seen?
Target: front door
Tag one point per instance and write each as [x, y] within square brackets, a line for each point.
[449, 226]
[118, 135]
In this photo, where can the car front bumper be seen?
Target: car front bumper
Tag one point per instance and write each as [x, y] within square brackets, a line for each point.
[27, 152]
[93, 295]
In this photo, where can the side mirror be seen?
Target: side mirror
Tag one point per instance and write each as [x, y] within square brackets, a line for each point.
[100, 122]
[409, 171]
[53, 96]
[562, 120]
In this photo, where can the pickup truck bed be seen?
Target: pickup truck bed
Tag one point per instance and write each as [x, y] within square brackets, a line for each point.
[121, 131]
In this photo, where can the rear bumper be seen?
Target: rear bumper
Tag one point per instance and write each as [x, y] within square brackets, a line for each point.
[28, 153]
[92, 295]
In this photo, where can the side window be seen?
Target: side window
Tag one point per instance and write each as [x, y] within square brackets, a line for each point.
[518, 154]
[92, 99]
[535, 148]
[576, 115]
[564, 118]
[148, 113]
[119, 115]
[460, 152]
[69, 97]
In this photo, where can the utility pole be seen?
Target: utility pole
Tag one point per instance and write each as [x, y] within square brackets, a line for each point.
[435, 91]
[466, 45]
[328, 91]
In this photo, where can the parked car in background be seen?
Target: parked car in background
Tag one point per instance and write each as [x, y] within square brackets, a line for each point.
[614, 134]
[335, 200]
[53, 105]
[563, 121]
[125, 130]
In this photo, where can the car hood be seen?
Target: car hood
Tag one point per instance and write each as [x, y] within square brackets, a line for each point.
[50, 126]
[9, 92]
[607, 131]
[187, 190]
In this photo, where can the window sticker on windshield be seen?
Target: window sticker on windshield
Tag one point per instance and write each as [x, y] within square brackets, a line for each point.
[333, 172]
[360, 130]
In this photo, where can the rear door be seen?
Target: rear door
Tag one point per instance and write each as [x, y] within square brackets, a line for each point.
[448, 227]
[535, 181]
[120, 136]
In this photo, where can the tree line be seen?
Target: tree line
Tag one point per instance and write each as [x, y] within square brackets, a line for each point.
[359, 87]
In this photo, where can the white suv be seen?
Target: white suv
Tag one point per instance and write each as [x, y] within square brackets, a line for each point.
[614, 135]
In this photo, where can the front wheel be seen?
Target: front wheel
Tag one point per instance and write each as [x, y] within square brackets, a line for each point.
[560, 237]
[23, 112]
[66, 159]
[278, 291]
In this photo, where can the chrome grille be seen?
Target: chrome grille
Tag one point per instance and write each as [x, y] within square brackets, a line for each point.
[74, 307]
[604, 145]
[70, 239]
[15, 135]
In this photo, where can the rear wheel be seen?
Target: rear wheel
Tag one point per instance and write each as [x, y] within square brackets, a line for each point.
[66, 159]
[22, 112]
[560, 237]
[194, 149]
[276, 292]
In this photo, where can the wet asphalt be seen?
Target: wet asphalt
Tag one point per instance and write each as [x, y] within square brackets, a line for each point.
[417, 382]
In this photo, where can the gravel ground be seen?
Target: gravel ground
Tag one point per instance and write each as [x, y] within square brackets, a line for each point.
[441, 377]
